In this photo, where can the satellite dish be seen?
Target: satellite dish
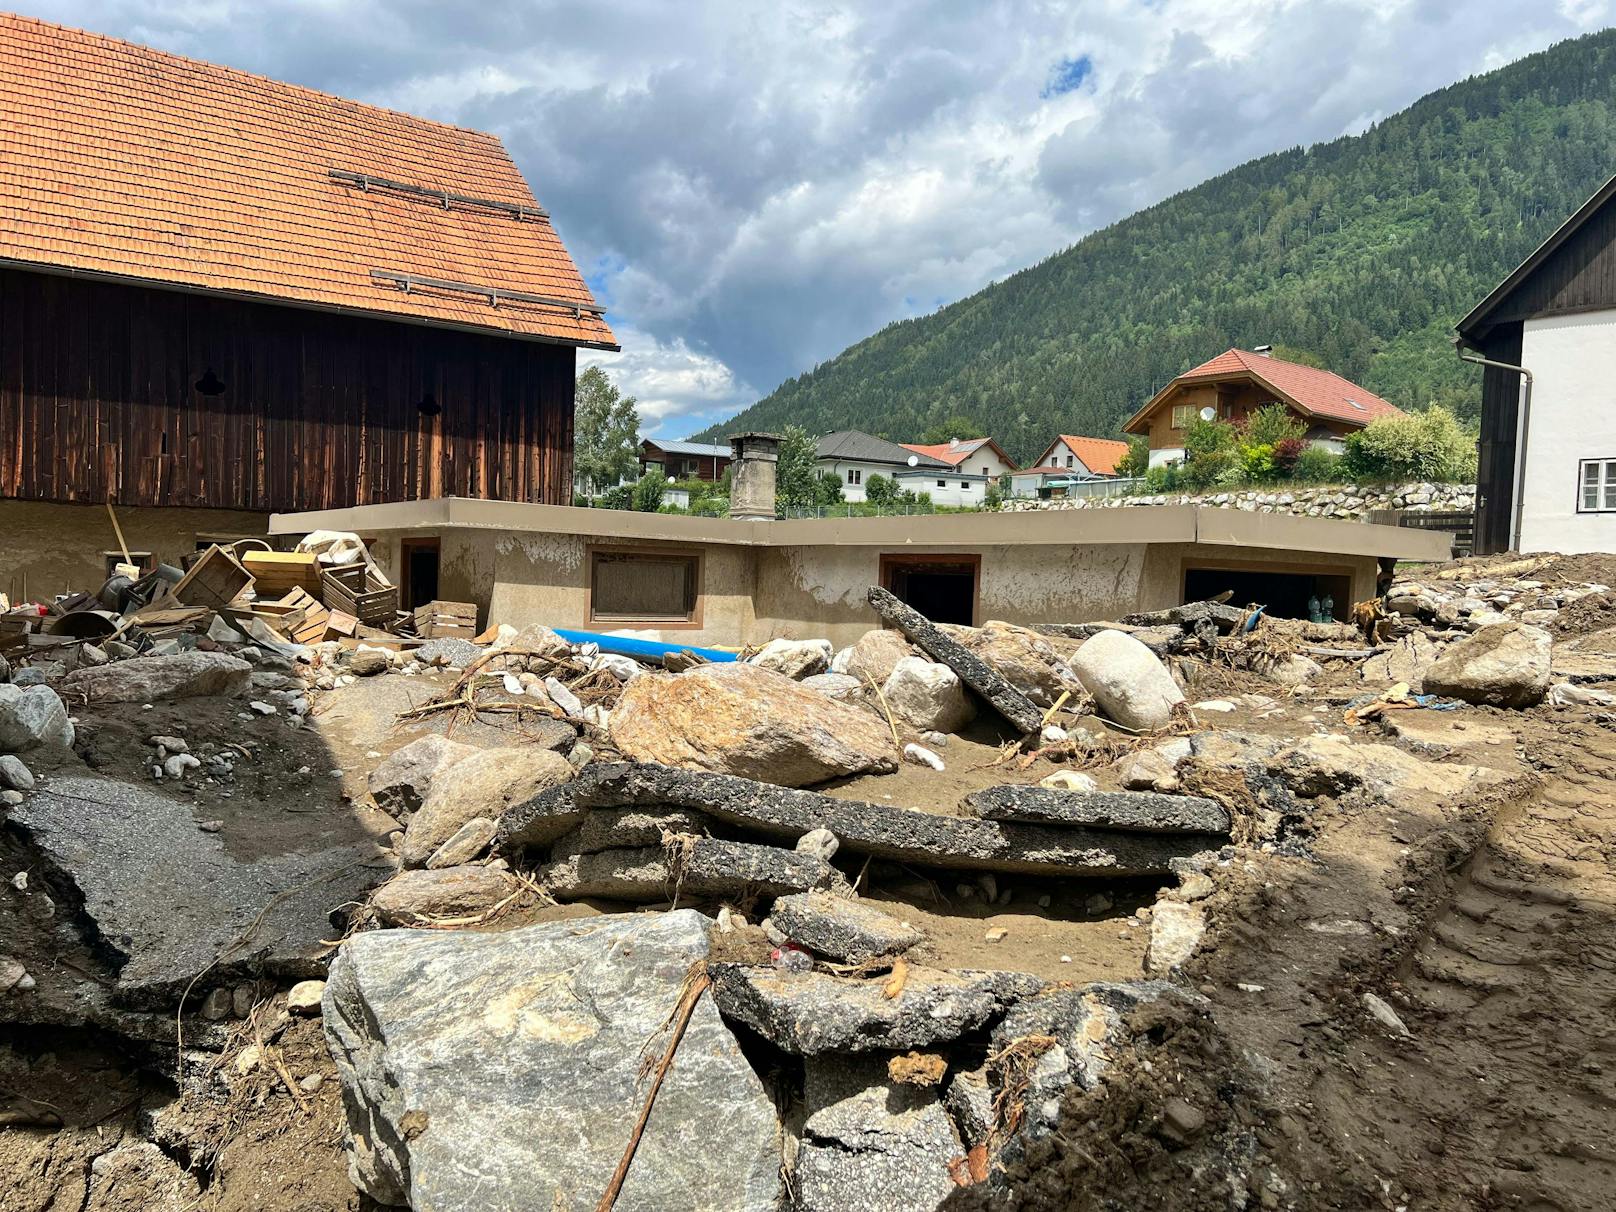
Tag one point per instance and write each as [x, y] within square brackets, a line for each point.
[914, 460]
[1208, 413]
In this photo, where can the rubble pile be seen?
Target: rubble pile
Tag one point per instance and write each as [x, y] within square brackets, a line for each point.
[704, 930]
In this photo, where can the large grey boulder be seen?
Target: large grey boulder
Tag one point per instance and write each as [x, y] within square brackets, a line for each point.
[1333, 765]
[1022, 657]
[484, 784]
[1014, 706]
[902, 834]
[169, 901]
[746, 720]
[502, 1071]
[1502, 666]
[796, 659]
[868, 1144]
[1405, 661]
[806, 1013]
[874, 656]
[33, 716]
[841, 928]
[181, 675]
[1126, 681]
[399, 785]
[928, 696]
[1129, 811]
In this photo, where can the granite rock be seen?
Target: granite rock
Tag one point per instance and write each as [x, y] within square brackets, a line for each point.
[484, 784]
[150, 679]
[31, 717]
[399, 785]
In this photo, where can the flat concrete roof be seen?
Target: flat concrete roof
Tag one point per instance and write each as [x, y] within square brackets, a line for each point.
[1133, 524]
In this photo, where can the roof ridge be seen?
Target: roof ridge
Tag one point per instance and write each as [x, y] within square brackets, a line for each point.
[113, 39]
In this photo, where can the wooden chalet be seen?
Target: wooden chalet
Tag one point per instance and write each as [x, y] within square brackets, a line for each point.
[223, 291]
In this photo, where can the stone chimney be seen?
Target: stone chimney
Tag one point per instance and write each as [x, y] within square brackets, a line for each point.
[753, 457]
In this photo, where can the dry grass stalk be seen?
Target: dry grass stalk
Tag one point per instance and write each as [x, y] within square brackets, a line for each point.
[273, 1059]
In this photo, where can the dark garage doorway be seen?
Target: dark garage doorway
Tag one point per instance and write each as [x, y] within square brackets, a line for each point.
[941, 587]
[420, 572]
[1284, 592]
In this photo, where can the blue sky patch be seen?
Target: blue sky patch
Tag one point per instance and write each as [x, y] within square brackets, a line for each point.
[1067, 75]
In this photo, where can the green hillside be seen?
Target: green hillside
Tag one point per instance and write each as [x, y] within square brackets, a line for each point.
[1363, 251]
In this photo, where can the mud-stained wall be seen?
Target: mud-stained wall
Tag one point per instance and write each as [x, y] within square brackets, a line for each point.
[57, 547]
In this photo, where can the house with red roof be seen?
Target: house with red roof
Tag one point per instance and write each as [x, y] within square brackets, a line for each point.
[1068, 459]
[978, 464]
[1238, 382]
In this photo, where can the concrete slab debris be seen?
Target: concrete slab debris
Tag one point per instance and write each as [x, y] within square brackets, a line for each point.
[841, 928]
[1130, 811]
[701, 866]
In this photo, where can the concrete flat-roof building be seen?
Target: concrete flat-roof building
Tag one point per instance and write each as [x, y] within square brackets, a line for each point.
[725, 581]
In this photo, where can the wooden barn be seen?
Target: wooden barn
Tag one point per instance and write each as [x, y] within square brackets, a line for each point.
[222, 292]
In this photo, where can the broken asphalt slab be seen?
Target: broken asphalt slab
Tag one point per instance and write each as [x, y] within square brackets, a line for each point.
[1128, 811]
[701, 866]
[502, 1071]
[902, 834]
[806, 1013]
[168, 902]
[1017, 708]
[842, 928]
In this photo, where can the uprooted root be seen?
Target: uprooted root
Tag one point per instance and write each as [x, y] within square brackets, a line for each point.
[1014, 1065]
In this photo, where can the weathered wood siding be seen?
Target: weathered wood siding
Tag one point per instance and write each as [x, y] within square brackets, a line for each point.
[98, 402]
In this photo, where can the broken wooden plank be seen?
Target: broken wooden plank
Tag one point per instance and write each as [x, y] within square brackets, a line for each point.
[976, 673]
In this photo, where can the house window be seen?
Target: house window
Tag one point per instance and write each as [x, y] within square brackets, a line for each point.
[1068, 460]
[965, 484]
[854, 475]
[942, 483]
[1598, 477]
[1183, 415]
[985, 471]
[646, 586]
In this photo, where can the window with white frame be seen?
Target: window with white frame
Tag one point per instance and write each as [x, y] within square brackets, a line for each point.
[1598, 486]
[854, 475]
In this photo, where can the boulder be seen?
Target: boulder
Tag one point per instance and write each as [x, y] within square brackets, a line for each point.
[744, 720]
[182, 675]
[796, 659]
[838, 686]
[14, 774]
[927, 695]
[368, 662]
[413, 897]
[869, 1144]
[699, 866]
[1023, 658]
[467, 842]
[808, 1013]
[1502, 666]
[400, 784]
[33, 716]
[1126, 681]
[1153, 769]
[841, 928]
[876, 655]
[502, 1071]
[484, 784]
[1406, 661]
[1332, 765]
[1293, 669]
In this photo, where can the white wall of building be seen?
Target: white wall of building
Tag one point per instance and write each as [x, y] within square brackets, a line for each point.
[1573, 419]
[854, 475]
[946, 487]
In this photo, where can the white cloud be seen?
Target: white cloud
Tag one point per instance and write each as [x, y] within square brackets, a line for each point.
[754, 187]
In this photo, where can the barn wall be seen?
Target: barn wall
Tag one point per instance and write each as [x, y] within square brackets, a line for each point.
[99, 401]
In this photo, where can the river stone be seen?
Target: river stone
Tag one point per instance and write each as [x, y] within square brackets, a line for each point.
[470, 840]
[1502, 666]
[875, 655]
[707, 866]
[868, 1144]
[1405, 661]
[806, 1013]
[150, 679]
[1023, 658]
[796, 659]
[741, 719]
[484, 784]
[1132, 811]
[1127, 682]
[399, 785]
[412, 898]
[501, 1071]
[976, 673]
[903, 834]
[928, 696]
[32, 716]
[841, 928]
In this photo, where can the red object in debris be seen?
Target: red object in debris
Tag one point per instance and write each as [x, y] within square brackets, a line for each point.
[791, 958]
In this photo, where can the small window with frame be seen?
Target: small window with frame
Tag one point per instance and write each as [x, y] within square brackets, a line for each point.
[1596, 480]
[639, 587]
[1183, 415]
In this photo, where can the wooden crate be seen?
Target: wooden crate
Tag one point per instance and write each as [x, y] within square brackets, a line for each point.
[315, 617]
[215, 580]
[354, 590]
[439, 620]
[277, 573]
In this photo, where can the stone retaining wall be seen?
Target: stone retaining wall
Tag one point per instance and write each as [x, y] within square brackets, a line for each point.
[1320, 501]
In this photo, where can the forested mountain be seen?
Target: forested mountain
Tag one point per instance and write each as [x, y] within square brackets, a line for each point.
[1363, 251]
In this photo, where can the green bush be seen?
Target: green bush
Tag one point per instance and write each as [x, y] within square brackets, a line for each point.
[1431, 445]
[1257, 462]
[646, 495]
[1137, 461]
[618, 496]
[1270, 425]
[1164, 477]
[1211, 455]
[1316, 465]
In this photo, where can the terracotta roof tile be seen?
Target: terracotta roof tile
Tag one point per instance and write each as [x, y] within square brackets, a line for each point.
[120, 159]
[1099, 455]
[1316, 391]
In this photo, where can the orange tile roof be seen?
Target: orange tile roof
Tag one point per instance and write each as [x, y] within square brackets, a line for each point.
[1099, 455]
[1315, 392]
[948, 452]
[123, 160]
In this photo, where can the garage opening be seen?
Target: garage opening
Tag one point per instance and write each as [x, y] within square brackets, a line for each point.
[420, 573]
[1287, 595]
[943, 588]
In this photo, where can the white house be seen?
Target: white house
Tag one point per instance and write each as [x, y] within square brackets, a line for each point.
[854, 457]
[1547, 475]
[977, 464]
[1068, 457]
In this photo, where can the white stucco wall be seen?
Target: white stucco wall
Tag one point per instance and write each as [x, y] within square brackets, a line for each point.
[957, 489]
[1573, 363]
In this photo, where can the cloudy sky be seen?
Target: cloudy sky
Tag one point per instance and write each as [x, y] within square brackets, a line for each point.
[751, 187]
